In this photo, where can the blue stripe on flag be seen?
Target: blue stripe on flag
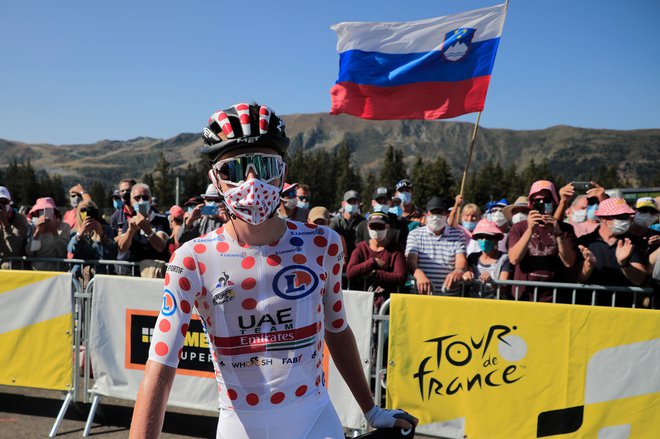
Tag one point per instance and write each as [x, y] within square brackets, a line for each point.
[386, 69]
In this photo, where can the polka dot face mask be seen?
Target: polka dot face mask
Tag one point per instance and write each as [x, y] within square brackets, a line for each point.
[253, 200]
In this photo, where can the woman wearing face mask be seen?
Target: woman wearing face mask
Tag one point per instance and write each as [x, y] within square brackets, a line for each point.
[77, 195]
[379, 261]
[92, 239]
[489, 263]
[48, 236]
[646, 214]
[289, 204]
[609, 256]
[13, 229]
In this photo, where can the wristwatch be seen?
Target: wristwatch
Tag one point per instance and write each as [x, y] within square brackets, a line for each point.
[151, 235]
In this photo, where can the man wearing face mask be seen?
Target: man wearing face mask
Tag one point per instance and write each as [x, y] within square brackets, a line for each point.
[145, 234]
[204, 218]
[494, 213]
[541, 248]
[289, 204]
[117, 202]
[581, 214]
[435, 253]
[77, 194]
[255, 266]
[124, 210]
[13, 228]
[646, 214]
[303, 194]
[347, 222]
[610, 256]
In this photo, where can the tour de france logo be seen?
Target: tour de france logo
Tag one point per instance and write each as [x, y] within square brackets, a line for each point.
[470, 363]
[295, 282]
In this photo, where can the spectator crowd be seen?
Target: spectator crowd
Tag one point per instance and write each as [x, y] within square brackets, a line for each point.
[446, 247]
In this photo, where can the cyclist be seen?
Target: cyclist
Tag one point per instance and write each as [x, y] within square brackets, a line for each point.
[268, 291]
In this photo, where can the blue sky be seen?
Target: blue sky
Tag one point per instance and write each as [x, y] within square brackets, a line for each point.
[79, 71]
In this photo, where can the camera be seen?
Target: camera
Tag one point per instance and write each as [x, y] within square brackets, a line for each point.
[539, 206]
[209, 210]
[581, 185]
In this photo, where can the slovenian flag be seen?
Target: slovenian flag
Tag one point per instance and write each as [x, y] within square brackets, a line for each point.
[430, 69]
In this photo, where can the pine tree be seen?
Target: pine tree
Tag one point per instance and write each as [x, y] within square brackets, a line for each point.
[100, 194]
[393, 168]
[347, 178]
[164, 183]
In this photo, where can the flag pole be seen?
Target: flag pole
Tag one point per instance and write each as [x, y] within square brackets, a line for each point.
[467, 165]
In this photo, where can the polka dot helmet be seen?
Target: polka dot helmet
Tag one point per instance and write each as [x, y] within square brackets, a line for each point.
[241, 126]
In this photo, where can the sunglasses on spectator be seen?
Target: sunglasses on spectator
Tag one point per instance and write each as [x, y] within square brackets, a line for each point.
[235, 170]
[542, 200]
[289, 194]
[142, 197]
[4, 201]
[377, 226]
[303, 198]
[486, 237]
[623, 216]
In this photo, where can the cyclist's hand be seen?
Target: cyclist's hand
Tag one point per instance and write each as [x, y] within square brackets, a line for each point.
[383, 418]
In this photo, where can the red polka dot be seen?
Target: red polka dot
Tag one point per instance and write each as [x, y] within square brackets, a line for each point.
[161, 349]
[299, 259]
[245, 245]
[323, 276]
[337, 306]
[185, 306]
[184, 284]
[319, 308]
[337, 287]
[231, 393]
[189, 263]
[252, 399]
[319, 260]
[165, 325]
[247, 262]
[199, 248]
[249, 303]
[322, 291]
[184, 329]
[320, 241]
[300, 391]
[173, 256]
[248, 283]
[311, 226]
[202, 268]
[335, 269]
[167, 279]
[318, 380]
[338, 323]
[291, 225]
[273, 260]
[222, 247]
[318, 326]
[220, 230]
[333, 249]
[204, 291]
[277, 398]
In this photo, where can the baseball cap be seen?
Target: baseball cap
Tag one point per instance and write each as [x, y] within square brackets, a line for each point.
[176, 212]
[614, 207]
[378, 217]
[404, 183]
[381, 192]
[647, 202]
[350, 195]
[4, 193]
[435, 203]
[318, 212]
[116, 194]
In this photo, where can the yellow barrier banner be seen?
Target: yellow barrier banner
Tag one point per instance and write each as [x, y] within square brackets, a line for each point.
[501, 369]
[36, 344]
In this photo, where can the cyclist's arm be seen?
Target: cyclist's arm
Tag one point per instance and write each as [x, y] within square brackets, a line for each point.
[151, 400]
[344, 352]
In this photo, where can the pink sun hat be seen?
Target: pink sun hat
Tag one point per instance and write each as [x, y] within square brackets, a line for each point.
[487, 227]
[541, 185]
[41, 204]
[614, 207]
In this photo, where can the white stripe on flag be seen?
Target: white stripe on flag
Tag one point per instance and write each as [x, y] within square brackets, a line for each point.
[417, 36]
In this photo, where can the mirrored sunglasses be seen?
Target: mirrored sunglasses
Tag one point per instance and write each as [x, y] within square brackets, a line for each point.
[235, 170]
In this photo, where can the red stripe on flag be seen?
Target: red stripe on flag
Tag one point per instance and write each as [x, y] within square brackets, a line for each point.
[419, 100]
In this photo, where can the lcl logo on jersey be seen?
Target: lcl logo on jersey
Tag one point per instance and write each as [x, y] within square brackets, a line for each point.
[295, 282]
[169, 303]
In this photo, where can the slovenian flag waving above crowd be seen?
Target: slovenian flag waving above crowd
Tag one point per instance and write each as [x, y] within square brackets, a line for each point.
[429, 69]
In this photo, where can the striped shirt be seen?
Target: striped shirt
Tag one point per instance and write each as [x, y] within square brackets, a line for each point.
[436, 254]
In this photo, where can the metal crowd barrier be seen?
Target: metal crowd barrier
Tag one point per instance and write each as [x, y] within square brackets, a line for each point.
[26, 263]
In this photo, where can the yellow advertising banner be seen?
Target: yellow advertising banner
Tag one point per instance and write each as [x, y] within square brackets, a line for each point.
[36, 345]
[500, 369]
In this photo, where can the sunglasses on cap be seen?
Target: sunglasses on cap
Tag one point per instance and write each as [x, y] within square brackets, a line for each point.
[235, 170]
[291, 193]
